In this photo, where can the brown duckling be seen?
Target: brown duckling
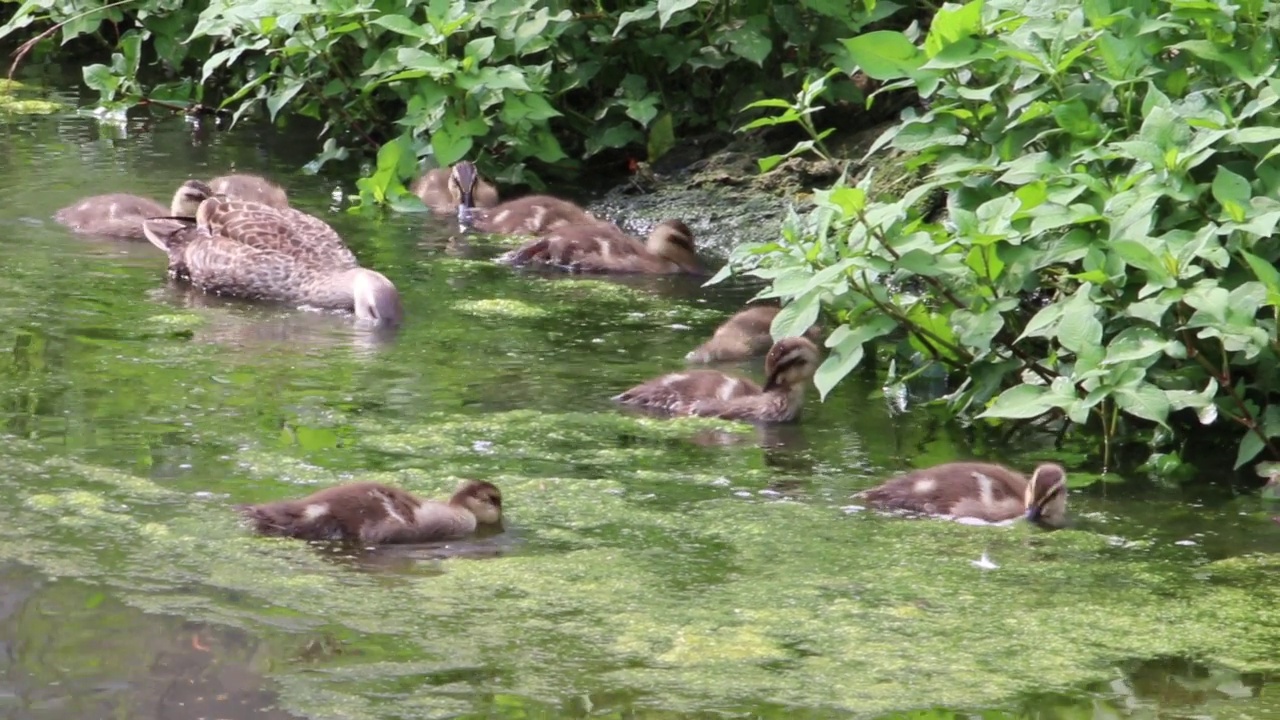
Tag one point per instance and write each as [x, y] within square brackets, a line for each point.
[603, 248]
[985, 491]
[120, 215]
[790, 364]
[746, 334]
[529, 215]
[448, 190]
[376, 514]
[250, 187]
[245, 249]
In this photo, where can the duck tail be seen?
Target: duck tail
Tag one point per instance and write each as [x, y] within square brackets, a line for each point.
[375, 298]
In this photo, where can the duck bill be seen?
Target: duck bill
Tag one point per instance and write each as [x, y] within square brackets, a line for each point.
[466, 218]
[466, 200]
[1034, 514]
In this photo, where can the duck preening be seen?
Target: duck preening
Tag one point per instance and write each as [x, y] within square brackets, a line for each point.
[249, 250]
[745, 335]
[120, 215]
[529, 215]
[789, 366]
[600, 247]
[984, 491]
[454, 189]
[379, 514]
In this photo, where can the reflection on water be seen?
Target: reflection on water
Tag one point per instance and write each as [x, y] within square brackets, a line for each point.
[68, 650]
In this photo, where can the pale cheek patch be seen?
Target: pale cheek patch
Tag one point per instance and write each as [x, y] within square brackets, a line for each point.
[924, 486]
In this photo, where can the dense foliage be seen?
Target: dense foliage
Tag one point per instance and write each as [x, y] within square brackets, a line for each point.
[509, 81]
[1108, 249]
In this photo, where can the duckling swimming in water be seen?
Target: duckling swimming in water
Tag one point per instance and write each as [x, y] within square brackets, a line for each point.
[745, 335]
[789, 366]
[120, 215]
[249, 187]
[378, 514]
[985, 491]
[604, 248]
[454, 189]
[529, 215]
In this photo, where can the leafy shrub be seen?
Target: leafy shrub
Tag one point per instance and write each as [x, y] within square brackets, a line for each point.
[1108, 254]
[527, 80]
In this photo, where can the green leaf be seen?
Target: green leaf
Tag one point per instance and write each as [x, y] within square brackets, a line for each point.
[1020, 402]
[405, 26]
[1145, 401]
[1079, 328]
[1267, 274]
[952, 23]
[1232, 191]
[1045, 322]
[99, 77]
[1250, 445]
[1254, 135]
[631, 16]
[1134, 344]
[976, 331]
[884, 54]
[847, 349]
[662, 136]
[797, 316]
[667, 8]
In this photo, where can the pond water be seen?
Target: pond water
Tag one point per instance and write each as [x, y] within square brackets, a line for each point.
[650, 568]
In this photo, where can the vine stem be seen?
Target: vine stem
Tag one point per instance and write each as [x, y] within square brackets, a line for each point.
[25, 47]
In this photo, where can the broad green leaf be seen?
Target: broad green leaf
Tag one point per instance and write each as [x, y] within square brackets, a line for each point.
[976, 331]
[1267, 273]
[1020, 402]
[1134, 344]
[668, 8]
[884, 54]
[1045, 322]
[1250, 445]
[1079, 327]
[1232, 191]
[797, 316]
[1145, 401]
[952, 23]
[99, 77]
[631, 16]
[1255, 135]
[847, 349]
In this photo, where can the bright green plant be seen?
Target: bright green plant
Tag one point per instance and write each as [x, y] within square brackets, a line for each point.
[517, 84]
[1108, 253]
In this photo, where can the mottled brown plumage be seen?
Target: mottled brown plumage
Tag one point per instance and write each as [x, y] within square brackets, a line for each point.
[120, 215]
[374, 513]
[604, 248]
[445, 190]
[250, 250]
[250, 187]
[529, 215]
[745, 335]
[985, 491]
[789, 366]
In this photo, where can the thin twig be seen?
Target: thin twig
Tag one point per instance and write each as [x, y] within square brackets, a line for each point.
[26, 47]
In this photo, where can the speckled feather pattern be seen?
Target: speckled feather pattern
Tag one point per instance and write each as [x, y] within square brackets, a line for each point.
[986, 491]
[250, 187]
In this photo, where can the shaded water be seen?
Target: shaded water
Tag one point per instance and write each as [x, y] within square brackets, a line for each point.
[656, 569]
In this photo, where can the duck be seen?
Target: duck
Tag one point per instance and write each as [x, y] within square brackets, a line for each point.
[451, 190]
[985, 491]
[528, 215]
[377, 514]
[600, 247]
[744, 335]
[789, 366]
[120, 215]
[250, 187]
[245, 249]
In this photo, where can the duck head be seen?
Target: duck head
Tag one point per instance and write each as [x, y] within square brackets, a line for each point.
[482, 499]
[374, 297]
[188, 198]
[1046, 496]
[673, 240]
[791, 362]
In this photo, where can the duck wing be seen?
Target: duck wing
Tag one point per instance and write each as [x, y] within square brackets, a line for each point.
[678, 393]
[596, 247]
[308, 239]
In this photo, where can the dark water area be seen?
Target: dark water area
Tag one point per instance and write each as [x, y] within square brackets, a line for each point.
[651, 568]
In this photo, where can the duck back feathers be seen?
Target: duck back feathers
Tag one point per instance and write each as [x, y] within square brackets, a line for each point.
[600, 247]
[985, 491]
[374, 513]
[529, 215]
[746, 334]
[250, 187]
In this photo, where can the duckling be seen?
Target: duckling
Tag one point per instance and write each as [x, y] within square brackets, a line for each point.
[744, 335]
[985, 491]
[249, 250]
[120, 215]
[529, 215]
[790, 364]
[602, 247]
[378, 514]
[449, 190]
[250, 187]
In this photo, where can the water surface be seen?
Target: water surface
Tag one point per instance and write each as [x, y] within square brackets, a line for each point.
[651, 568]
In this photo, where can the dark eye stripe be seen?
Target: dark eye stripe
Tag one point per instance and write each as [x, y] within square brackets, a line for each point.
[1049, 496]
